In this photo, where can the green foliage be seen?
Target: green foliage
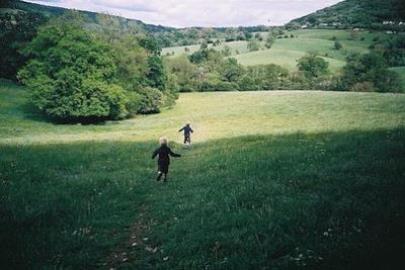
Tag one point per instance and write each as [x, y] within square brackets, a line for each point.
[363, 87]
[131, 62]
[151, 101]
[253, 45]
[270, 40]
[394, 50]
[338, 45]
[156, 76]
[231, 70]
[313, 66]
[16, 30]
[184, 71]
[357, 13]
[70, 75]
[150, 44]
[199, 56]
[226, 51]
[134, 101]
[370, 68]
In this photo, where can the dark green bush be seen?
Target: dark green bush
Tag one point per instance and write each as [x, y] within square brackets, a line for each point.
[370, 67]
[227, 86]
[338, 45]
[70, 75]
[312, 65]
[133, 103]
[151, 101]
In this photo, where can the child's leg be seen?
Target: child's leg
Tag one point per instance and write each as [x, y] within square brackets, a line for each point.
[159, 176]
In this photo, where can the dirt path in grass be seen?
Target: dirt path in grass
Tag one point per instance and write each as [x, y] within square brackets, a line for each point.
[126, 253]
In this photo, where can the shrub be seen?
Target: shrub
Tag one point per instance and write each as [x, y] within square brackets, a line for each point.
[370, 67]
[253, 45]
[313, 66]
[363, 87]
[227, 86]
[338, 45]
[70, 75]
[133, 103]
[151, 101]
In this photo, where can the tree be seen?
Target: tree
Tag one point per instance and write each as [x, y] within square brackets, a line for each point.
[16, 30]
[269, 41]
[313, 66]
[184, 71]
[151, 100]
[204, 45]
[338, 45]
[394, 50]
[70, 75]
[231, 71]
[156, 76]
[370, 68]
[253, 45]
[226, 51]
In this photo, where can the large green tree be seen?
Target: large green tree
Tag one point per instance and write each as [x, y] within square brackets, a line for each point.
[313, 66]
[371, 68]
[71, 73]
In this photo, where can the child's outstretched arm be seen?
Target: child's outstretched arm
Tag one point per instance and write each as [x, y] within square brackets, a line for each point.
[180, 130]
[155, 153]
[174, 154]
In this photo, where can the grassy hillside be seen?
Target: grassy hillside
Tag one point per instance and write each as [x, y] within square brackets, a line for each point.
[49, 11]
[286, 51]
[355, 13]
[275, 112]
[300, 179]
[236, 47]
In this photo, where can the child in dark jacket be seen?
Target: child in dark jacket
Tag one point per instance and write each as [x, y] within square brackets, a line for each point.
[163, 152]
[187, 133]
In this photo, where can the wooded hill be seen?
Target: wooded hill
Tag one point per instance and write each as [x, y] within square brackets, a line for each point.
[377, 14]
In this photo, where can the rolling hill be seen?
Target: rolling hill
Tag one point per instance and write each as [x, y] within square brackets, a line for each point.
[356, 13]
[277, 179]
[49, 11]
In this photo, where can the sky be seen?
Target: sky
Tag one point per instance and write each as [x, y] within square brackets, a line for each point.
[207, 13]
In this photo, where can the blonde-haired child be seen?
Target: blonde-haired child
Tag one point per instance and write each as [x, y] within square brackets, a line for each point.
[163, 152]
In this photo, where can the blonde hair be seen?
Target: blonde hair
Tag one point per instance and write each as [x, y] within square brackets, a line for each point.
[163, 140]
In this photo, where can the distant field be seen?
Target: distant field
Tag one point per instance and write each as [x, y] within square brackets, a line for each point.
[235, 46]
[274, 180]
[283, 57]
[287, 51]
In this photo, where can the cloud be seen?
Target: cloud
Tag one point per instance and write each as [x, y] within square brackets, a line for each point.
[182, 13]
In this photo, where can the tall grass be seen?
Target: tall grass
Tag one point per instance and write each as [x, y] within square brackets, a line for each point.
[325, 201]
[275, 180]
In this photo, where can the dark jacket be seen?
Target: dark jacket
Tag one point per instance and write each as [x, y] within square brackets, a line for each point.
[187, 130]
[164, 153]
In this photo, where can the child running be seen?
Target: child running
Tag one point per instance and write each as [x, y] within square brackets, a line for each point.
[163, 153]
[187, 133]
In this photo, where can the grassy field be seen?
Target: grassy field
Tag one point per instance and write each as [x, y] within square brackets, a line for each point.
[286, 51]
[235, 47]
[299, 180]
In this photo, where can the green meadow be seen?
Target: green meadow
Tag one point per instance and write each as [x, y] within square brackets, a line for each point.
[273, 180]
[286, 51]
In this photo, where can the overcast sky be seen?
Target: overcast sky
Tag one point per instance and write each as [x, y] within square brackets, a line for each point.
[184, 13]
